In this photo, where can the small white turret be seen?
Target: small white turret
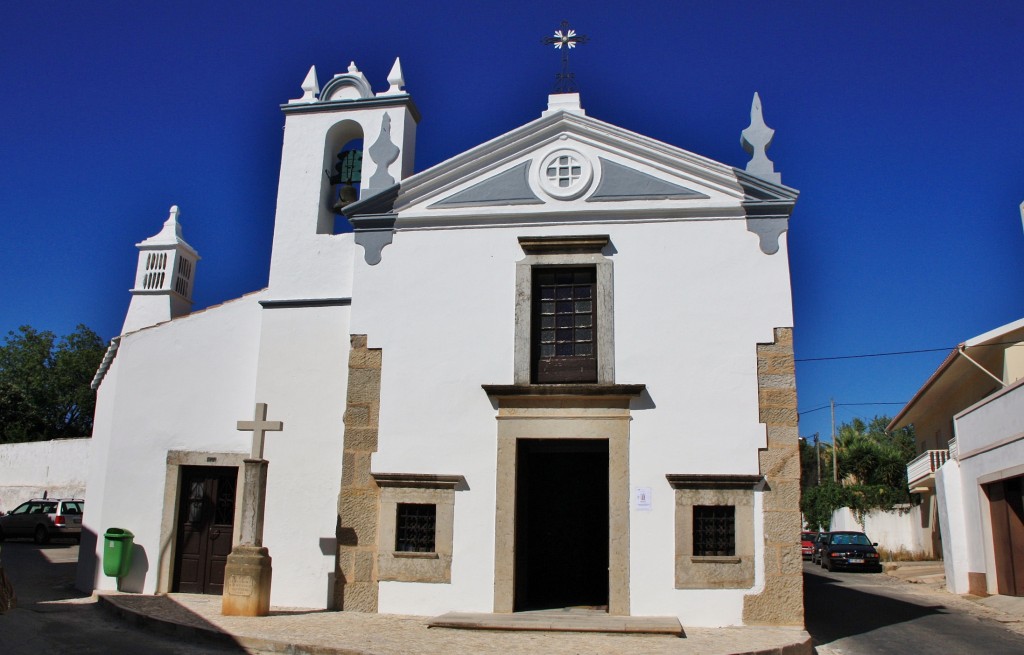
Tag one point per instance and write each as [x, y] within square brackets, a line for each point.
[163, 279]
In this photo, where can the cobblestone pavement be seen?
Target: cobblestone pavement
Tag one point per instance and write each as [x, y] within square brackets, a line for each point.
[350, 633]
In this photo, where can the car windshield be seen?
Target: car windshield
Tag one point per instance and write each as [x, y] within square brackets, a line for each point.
[856, 539]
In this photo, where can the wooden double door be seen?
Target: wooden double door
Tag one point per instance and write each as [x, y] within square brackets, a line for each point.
[1006, 501]
[562, 524]
[205, 528]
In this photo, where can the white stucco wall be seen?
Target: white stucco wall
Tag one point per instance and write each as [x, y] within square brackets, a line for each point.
[891, 530]
[179, 386]
[990, 441]
[303, 379]
[58, 468]
[691, 301]
[953, 526]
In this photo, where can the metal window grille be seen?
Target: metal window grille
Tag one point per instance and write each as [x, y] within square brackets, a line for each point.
[564, 325]
[415, 528]
[714, 530]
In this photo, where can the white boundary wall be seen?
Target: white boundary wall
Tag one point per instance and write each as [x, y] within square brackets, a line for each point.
[58, 468]
[890, 530]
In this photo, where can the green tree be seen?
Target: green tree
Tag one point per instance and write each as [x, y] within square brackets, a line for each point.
[44, 384]
[872, 472]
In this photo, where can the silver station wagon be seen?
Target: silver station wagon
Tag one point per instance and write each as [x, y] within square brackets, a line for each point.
[43, 518]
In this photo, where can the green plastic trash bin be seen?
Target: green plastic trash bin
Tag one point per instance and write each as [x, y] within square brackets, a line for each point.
[117, 552]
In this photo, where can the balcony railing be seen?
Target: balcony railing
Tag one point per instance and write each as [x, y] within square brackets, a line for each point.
[954, 452]
[925, 464]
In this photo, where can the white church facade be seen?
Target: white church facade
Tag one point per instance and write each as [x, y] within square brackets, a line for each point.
[555, 370]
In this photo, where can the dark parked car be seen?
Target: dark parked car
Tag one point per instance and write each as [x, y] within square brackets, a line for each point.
[850, 550]
[42, 518]
[819, 543]
[807, 544]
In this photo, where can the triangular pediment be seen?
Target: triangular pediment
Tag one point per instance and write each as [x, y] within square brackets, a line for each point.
[571, 164]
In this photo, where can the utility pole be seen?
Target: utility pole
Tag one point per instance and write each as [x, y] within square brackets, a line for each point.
[835, 458]
[817, 455]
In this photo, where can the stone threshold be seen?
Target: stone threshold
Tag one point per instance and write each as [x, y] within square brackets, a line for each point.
[561, 620]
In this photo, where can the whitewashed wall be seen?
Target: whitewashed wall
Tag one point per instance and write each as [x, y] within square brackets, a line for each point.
[181, 385]
[990, 442]
[954, 527]
[303, 379]
[891, 530]
[58, 468]
[691, 301]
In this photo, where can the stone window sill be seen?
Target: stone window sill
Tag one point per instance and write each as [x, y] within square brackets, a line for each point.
[715, 559]
[589, 389]
[405, 554]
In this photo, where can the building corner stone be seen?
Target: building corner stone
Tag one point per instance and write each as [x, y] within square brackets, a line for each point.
[781, 600]
[356, 579]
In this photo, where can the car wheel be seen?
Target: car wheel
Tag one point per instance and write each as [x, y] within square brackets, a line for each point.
[828, 565]
[41, 535]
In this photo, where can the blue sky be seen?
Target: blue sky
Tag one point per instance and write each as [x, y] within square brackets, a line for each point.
[900, 123]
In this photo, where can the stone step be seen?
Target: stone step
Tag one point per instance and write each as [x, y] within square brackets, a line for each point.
[561, 621]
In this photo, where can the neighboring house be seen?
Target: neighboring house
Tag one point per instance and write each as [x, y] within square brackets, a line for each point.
[554, 370]
[969, 419]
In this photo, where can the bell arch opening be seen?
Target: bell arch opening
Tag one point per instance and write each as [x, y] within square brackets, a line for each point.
[342, 173]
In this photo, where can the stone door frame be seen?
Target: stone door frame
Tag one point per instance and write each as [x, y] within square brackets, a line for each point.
[176, 459]
[525, 416]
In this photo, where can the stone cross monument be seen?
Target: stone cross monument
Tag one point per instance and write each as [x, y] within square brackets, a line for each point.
[248, 572]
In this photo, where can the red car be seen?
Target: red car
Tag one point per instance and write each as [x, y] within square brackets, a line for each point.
[807, 544]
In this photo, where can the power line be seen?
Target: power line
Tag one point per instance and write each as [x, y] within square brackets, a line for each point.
[899, 352]
[902, 352]
[808, 411]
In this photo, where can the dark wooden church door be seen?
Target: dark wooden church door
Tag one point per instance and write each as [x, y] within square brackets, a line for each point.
[206, 512]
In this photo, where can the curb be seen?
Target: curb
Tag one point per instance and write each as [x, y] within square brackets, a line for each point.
[185, 631]
[178, 630]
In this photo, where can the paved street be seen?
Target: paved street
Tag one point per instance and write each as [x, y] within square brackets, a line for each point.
[872, 613]
[42, 574]
[847, 614]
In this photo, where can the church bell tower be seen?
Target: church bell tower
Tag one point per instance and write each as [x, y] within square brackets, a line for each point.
[335, 138]
[163, 278]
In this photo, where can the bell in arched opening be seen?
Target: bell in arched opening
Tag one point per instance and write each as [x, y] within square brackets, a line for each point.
[345, 178]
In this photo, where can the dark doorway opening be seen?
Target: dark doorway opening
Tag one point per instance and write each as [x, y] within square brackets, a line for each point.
[206, 513]
[561, 549]
[1006, 499]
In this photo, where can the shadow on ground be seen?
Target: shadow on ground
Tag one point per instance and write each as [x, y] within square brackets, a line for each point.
[49, 608]
[832, 611]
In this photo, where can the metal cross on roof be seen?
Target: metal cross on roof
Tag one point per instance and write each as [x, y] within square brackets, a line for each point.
[565, 39]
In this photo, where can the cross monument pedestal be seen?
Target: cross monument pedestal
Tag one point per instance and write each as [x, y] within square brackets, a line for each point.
[248, 571]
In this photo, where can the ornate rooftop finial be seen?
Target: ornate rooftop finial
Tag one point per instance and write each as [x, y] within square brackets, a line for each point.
[310, 88]
[755, 140]
[395, 79]
[172, 228]
[565, 39]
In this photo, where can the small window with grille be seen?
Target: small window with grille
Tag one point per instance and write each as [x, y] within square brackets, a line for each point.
[714, 531]
[415, 527]
[564, 325]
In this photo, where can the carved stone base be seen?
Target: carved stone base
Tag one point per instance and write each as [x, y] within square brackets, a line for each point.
[247, 582]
